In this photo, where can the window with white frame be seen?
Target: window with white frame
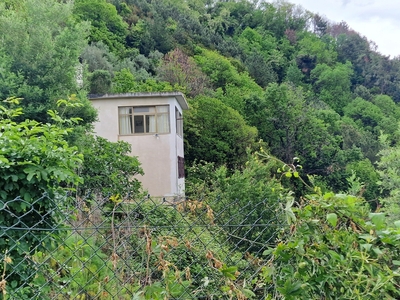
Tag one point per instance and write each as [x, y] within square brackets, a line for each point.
[179, 122]
[143, 119]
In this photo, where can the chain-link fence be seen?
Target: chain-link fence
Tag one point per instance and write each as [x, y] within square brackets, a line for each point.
[112, 248]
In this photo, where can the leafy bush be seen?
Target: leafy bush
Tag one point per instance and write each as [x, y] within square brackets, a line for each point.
[146, 250]
[35, 159]
[190, 261]
[78, 271]
[335, 248]
[108, 168]
[247, 202]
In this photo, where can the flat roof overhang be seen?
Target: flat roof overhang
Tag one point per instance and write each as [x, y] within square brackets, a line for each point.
[180, 97]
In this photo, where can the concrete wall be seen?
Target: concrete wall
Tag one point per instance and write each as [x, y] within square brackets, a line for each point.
[157, 153]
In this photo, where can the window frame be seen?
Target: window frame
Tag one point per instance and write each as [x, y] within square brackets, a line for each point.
[178, 122]
[130, 119]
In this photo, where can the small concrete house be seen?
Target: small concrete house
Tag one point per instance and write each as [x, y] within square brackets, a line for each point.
[152, 123]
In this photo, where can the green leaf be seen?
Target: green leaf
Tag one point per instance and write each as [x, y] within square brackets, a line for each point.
[225, 288]
[378, 219]
[248, 293]
[44, 175]
[366, 247]
[27, 196]
[377, 251]
[397, 224]
[30, 176]
[229, 272]
[268, 251]
[290, 288]
[334, 255]
[332, 219]
[367, 237]
[288, 174]
[176, 289]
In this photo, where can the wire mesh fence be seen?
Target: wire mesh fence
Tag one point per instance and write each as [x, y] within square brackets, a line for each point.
[112, 248]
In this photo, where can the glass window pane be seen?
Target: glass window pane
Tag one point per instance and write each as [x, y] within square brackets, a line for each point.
[162, 109]
[125, 124]
[139, 124]
[179, 122]
[162, 123]
[141, 109]
[125, 110]
[150, 123]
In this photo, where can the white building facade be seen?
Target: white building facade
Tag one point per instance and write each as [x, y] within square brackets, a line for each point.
[152, 123]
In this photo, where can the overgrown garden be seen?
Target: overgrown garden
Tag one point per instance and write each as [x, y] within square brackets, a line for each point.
[291, 151]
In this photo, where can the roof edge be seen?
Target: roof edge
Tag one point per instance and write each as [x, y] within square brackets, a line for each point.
[180, 97]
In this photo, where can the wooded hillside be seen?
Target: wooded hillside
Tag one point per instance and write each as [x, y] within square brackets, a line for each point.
[256, 74]
[285, 107]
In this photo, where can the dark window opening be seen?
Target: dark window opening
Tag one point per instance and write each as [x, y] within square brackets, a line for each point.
[181, 167]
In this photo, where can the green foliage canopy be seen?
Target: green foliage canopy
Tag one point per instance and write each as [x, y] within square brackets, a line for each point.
[108, 169]
[106, 25]
[36, 166]
[216, 133]
[41, 44]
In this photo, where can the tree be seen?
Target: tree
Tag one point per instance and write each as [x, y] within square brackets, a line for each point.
[216, 133]
[291, 128]
[218, 68]
[387, 106]
[124, 82]
[356, 137]
[236, 96]
[97, 56]
[332, 84]
[366, 114]
[108, 168]
[178, 68]
[374, 118]
[100, 82]
[244, 198]
[282, 15]
[320, 25]
[251, 40]
[389, 173]
[260, 70]
[366, 173]
[10, 82]
[294, 75]
[41, 44]
[261, 57]
[312, 45]
[355, 49]
[106, 25]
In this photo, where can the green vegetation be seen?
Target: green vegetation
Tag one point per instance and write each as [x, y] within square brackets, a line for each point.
[289, 112]
[34, 159]
[335, 248]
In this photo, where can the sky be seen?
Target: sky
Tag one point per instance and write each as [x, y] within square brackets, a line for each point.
[378, 20]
